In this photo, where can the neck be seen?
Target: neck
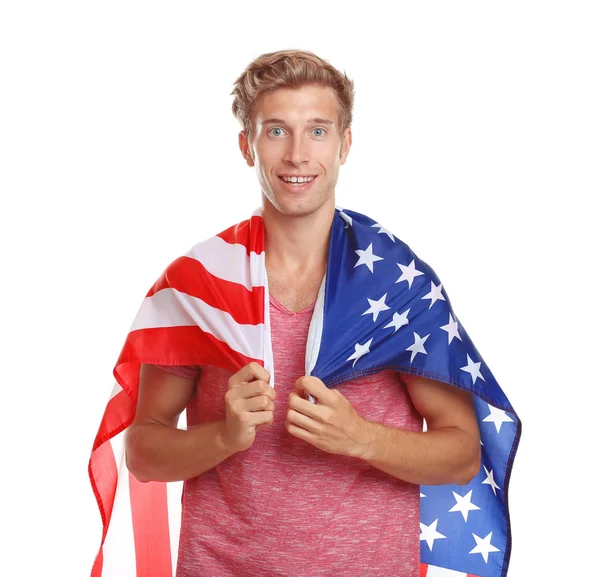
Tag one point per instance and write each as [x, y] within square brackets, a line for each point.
[297, 244]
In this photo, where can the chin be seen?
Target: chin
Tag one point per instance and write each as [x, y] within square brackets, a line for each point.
[295, 209]
[291, 206]
[298, 207]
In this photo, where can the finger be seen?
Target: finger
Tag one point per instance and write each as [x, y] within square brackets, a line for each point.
[304, 422]
[254, 389]
[299, 432]
[261, 418]
[297, 403]
[251, 372]
[261, 403]
[316, 388]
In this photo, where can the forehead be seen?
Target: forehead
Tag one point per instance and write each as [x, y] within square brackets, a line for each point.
[297, 104]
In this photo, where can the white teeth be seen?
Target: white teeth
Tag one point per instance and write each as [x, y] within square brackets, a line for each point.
[296, 179]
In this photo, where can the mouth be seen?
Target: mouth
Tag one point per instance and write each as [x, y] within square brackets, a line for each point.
[295, 187]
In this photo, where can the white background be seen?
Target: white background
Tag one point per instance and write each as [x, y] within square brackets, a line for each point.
[476, 141]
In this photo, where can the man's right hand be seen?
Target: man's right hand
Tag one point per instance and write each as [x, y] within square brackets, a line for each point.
[249, 406]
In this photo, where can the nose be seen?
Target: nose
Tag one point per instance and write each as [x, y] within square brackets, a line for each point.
[297, 151]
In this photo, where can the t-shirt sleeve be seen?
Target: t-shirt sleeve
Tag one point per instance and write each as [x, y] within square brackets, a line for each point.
[187, 371]
[407, 377]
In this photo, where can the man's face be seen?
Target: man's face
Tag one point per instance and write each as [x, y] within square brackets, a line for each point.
[299, 142]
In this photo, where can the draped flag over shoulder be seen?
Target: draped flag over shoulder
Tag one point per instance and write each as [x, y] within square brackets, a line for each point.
[379, 307]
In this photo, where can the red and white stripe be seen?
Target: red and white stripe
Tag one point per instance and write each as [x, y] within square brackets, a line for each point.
[209, 307]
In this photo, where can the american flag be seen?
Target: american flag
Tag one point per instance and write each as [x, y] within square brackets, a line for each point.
[379, 307]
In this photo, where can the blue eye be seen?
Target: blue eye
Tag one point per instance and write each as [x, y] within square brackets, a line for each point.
[319, 128]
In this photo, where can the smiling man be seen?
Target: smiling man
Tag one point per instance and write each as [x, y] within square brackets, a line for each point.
[275, 484]
[297, 136]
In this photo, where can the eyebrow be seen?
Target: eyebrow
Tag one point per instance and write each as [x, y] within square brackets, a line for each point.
[314, 120]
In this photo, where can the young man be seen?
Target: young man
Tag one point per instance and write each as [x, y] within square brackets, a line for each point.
[275, 484]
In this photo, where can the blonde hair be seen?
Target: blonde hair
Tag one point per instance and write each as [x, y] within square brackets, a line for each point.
[289, 69]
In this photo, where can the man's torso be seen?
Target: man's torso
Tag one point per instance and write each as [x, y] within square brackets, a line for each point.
[284, 507]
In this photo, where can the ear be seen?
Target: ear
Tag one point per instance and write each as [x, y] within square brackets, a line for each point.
[245, 148]
[346, 144]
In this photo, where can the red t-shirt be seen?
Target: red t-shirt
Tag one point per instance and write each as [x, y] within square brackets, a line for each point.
[285, 507]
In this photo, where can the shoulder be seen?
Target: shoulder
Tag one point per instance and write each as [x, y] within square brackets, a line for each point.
[186, 371]
[441, 404]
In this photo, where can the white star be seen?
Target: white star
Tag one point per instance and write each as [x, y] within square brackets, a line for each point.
[367, 257]
[359, 351]
[384, 231]
[484, 546]
[452, 329]
[430, 534]
[408, 273]
[473, 369]
[435, 294]
[417, 346]
[489, 480]
[376, 307]
[347, 218]
[422, 495]
[464, 505]
[497, 417]
[398, 321]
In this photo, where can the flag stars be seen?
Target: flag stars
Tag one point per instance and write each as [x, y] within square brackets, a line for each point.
[384, 231]
[408, 273]
[429, 533]
[497, 416]
[376, 307]
[360, 351]
[398, 321]
[367, 257]
[489, 480]
[484, 546]
[435, 294]
[452, 329]
[473, 369]
[464, 505]
[417, 346]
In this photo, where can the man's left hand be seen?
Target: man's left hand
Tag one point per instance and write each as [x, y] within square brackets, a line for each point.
[332, 425]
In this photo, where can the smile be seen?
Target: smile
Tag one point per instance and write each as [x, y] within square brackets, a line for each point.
[298, 186]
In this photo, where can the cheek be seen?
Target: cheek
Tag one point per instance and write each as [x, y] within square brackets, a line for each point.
[332, 161]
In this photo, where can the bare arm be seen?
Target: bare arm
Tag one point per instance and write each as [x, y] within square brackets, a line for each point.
[448, 452]
[156, 450]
